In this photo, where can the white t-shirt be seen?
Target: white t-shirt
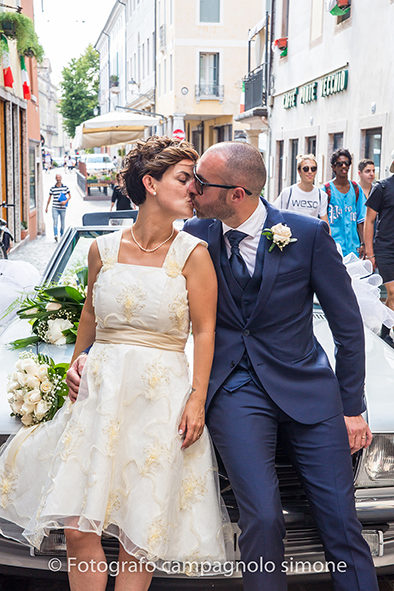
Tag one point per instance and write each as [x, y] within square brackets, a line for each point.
[312, 203]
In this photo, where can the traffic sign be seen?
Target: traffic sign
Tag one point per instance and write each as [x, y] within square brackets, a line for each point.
[179, 133]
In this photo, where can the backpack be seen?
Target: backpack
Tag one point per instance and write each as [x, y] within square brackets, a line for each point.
[327, 187]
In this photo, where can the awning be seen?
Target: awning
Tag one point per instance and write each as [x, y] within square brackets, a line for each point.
[115, 127]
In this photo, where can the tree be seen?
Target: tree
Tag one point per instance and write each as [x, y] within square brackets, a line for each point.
[79, 88]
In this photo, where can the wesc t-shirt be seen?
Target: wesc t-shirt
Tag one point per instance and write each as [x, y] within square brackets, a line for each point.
[312, 203]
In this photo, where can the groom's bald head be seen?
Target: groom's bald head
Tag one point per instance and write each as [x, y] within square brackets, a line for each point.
[239, 164]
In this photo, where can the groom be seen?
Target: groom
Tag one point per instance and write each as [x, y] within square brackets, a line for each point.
[269, 372]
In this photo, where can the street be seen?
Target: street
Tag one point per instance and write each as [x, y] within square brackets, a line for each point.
[39, 251]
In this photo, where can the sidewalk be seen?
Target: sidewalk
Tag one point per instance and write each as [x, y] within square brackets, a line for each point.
[39, 251]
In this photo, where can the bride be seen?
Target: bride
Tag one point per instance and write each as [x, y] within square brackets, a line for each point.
[131, 457]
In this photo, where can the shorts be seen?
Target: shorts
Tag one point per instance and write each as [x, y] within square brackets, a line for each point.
[385, 265]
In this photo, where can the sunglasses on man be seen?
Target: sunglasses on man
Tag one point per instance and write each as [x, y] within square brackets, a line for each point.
[340, 164]
[309, 168]
[200, 184]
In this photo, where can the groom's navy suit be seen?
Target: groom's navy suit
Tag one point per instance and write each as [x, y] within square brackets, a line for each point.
[269, 373]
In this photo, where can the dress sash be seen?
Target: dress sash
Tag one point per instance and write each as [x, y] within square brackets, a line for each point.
[143, 338]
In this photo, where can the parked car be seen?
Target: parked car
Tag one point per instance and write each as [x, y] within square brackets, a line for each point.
[373, 468]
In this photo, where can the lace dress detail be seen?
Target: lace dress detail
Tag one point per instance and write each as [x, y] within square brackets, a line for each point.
[112, 461]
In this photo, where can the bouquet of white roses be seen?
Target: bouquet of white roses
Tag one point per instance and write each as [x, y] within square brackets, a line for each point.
[54, 312]
[37, 388]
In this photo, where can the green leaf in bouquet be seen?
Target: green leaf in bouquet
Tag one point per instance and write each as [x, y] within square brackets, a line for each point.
[64, 293]
[82, 276]
[21, 343]
[70, 337]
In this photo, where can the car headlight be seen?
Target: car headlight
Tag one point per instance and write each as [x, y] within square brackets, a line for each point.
[377, 464]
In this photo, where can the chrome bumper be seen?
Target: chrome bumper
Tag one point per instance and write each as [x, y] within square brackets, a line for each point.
[302, 544]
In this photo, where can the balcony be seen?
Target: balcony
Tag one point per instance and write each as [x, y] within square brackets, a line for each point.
[255, 88]
[209, 92]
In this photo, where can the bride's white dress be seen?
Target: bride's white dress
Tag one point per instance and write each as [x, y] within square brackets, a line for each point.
[112, 462]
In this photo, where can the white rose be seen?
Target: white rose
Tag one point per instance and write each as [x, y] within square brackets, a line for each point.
[32, 312]
[27, 407]
[32, 382]
[54, 333]
[41, 409]
[22, 378]
[52, 306]
[16, 406]
[42, 372]
[18, 395]
[12, 385]
[281, 233]
[34, 396]
[29, 366]
[46, 387]
[27, 420]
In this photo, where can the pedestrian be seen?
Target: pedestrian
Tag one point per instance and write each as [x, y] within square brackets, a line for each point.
[47, 162]
[271, 375]
[345, 206]
[69, 163]
[380, 249]
[119, 197]
[132, 459]
[60, 194]
[304, 197]
[65, 163]
[366, 174]
[115, 161]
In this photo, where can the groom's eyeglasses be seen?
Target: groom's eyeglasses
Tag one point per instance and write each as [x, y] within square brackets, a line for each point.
[200, 184]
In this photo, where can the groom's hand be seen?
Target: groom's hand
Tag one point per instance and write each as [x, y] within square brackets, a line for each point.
[358, 432]
[73, 376]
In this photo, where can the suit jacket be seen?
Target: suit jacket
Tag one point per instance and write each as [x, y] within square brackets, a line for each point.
[278, 334]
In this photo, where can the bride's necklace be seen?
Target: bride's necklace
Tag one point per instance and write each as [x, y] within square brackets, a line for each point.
[156, 247]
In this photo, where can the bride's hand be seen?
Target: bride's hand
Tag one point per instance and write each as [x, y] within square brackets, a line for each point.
[192, 422]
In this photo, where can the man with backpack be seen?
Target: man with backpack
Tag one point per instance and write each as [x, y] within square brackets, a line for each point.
[345, 206]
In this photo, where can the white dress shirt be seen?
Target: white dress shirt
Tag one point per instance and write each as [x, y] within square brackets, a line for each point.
[253, 227]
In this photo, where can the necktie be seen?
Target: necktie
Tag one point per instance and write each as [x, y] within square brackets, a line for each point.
[237, 263]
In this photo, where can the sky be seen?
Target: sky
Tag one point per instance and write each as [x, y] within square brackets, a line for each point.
[65, 29]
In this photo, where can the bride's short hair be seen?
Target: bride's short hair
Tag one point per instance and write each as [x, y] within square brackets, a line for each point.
[152, 156]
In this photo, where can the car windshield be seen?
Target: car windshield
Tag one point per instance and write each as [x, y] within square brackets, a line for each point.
[73, 258]
[98, 159]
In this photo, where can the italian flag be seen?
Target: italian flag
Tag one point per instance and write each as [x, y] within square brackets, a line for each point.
[338, 7]
[7, 72]
[242, 101]
[25, 80]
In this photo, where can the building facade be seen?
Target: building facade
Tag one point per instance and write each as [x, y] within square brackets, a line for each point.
[201, 57]
[20, 161]
[141, 52]
[111, 46]
[331, 90]
[53, 139]
[184, 62]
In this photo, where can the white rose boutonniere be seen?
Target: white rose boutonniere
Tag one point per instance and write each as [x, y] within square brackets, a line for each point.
[280, 234]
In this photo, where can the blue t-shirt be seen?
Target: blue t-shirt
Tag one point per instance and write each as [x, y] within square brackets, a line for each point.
[344, 213]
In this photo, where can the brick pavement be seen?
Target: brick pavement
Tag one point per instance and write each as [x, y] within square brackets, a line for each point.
[39, 251]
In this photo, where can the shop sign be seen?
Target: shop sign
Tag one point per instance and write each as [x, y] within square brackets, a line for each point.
[290, 99]
[308, 93]
[334, 83]
[331, 84]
